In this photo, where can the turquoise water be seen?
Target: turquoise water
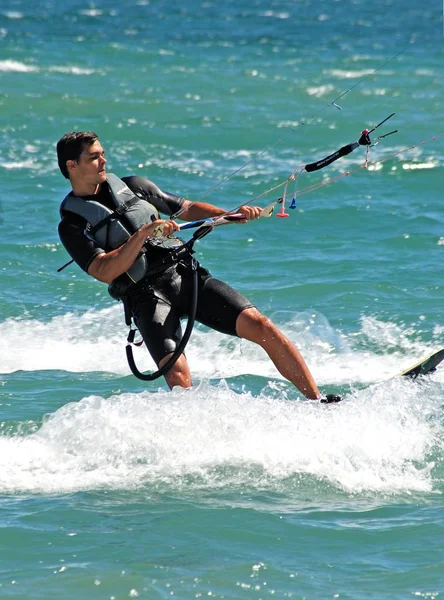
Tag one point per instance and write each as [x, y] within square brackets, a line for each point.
[111, 488]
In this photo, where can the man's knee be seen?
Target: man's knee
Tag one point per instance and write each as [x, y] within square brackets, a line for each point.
[252, 324]
[179, 374]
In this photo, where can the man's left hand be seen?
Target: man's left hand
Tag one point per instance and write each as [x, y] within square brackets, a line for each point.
[250, 212]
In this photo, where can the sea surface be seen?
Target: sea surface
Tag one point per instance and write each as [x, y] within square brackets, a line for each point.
[113, 488]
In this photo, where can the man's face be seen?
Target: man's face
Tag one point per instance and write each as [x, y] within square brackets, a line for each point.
[90, 169]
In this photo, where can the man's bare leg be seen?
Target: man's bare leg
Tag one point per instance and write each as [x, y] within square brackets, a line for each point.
[179, 374]
[254, 326]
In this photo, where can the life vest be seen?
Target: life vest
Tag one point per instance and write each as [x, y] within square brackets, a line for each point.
[112, 228]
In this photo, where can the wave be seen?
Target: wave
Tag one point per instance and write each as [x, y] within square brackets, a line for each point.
[78, 343]
[15, 66]
[382, 440]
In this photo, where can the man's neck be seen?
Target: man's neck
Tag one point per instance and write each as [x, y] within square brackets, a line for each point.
[85, 189]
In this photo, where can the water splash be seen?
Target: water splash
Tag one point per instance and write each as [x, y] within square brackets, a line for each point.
[384, 439]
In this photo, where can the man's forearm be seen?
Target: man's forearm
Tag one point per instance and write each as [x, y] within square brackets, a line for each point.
[107, 266]
[200, 210]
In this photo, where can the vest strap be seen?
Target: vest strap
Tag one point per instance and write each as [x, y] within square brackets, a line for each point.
[117, 212]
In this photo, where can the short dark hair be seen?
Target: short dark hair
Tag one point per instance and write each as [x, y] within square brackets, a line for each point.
[71, 146]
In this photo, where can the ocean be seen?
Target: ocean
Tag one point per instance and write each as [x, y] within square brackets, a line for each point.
[238, 488]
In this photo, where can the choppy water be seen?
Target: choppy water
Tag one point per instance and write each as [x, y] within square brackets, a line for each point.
[111, 488]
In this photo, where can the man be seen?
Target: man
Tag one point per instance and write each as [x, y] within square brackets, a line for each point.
[110, 228]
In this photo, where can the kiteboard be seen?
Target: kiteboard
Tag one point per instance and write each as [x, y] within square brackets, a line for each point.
[425, 366]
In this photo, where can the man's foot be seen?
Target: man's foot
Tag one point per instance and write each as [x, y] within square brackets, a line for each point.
[330, 398]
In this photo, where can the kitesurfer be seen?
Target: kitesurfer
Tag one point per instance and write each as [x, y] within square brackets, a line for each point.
[110, 227]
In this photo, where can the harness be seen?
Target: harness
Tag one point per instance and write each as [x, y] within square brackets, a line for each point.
[173, 257]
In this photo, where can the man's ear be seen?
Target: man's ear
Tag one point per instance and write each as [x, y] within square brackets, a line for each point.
[71, 165]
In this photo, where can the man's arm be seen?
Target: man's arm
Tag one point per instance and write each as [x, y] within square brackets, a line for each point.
[188, 210]
[109, 265]
[202, 210]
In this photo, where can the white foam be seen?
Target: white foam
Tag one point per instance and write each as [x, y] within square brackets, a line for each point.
[381, 440]
[79, 342]
[72, 70]
[71, 342]
[15, 65]
[13, 14]
[29, 163]
[10, 65]
[349, 74]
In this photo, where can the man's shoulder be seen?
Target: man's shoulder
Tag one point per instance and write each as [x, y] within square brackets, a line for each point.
[136, 183]
[69, 217]
[64, 205]
[145, 188]
[69, 222]
[133, 179]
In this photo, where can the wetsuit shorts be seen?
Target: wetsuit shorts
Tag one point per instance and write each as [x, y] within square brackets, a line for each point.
[158, 306]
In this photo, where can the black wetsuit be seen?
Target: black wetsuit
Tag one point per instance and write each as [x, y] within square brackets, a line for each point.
[159, 301]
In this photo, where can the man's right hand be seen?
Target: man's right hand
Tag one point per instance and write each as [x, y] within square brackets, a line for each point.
[157, 228]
